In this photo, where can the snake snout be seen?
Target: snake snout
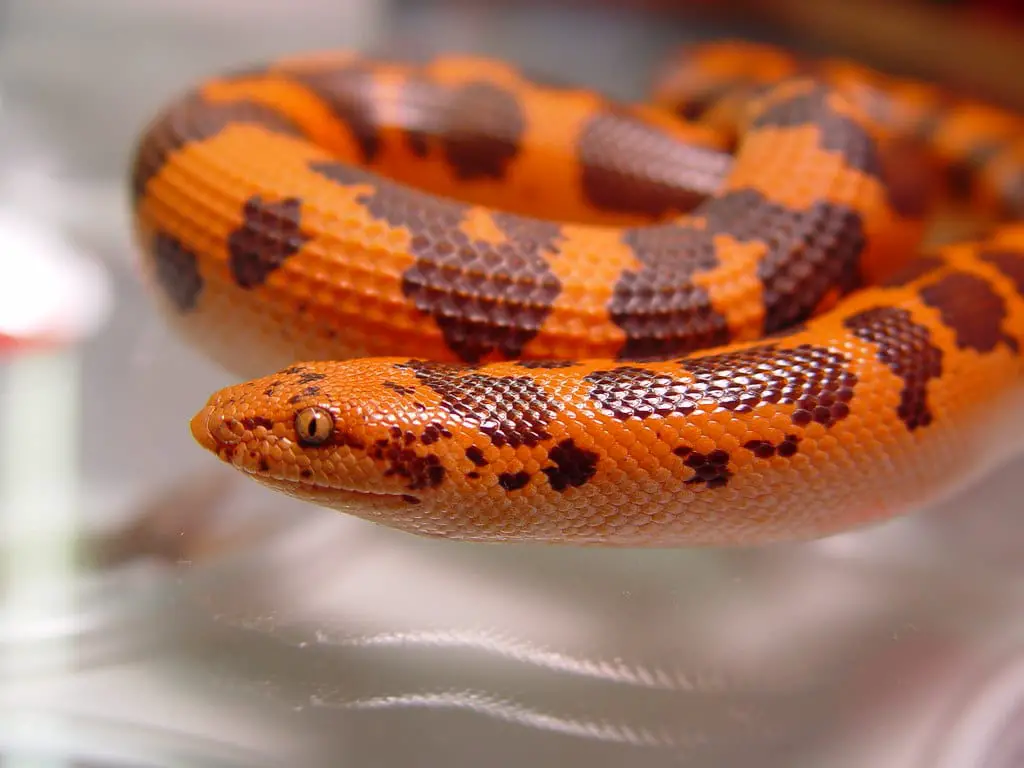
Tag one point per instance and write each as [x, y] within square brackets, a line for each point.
[201, 428]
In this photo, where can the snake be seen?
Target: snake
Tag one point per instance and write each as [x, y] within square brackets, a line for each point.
[471, 302]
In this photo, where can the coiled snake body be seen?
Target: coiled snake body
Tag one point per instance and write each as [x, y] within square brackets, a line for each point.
[506, 310]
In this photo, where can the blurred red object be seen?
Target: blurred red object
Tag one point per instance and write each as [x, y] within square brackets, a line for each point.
[51, 293]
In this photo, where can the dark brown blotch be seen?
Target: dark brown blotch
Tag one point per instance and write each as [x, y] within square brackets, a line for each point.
[809, 254]
[192, 120]
[629, 166]
[574, 466]
[1009, 262]
[836, 132]
[510, 410]
[270, 234]
[628, 392]
[478, 125]
[176, 269]
[348, 92]
[814, 379]
[710, 469]
[483, 131]
[307, 392]
[513, 481]
[911, 180]
[401, 460]
[484, 297]
[434, 432]
[658, 306]
[962, 173]
[417, 141]
[972, 309]
[907, 349]
[476, 455]
[765, 449]
[399, 388]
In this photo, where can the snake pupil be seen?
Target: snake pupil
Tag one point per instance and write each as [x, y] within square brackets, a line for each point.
[313, 426]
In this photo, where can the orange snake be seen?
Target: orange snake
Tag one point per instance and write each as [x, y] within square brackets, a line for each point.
[531, 314]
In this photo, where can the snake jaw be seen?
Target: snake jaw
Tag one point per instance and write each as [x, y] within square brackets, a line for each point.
[366, 504]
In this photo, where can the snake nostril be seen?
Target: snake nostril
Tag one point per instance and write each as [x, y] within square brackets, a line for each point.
[213, 430]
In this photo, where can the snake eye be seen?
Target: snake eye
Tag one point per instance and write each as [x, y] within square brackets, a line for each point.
[314, 426]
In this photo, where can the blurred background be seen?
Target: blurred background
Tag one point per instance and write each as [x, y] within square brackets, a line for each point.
[158, 610]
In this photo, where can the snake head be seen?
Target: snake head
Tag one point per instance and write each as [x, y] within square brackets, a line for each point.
[491, 452]
[357, 436]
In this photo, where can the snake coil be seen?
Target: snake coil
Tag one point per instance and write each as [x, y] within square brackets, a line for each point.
[506, 310]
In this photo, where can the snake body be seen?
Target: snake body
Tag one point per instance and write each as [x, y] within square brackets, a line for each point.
[525, 312]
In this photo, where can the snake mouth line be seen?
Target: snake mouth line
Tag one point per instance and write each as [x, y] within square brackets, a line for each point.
[319, 488]
[337, 496]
